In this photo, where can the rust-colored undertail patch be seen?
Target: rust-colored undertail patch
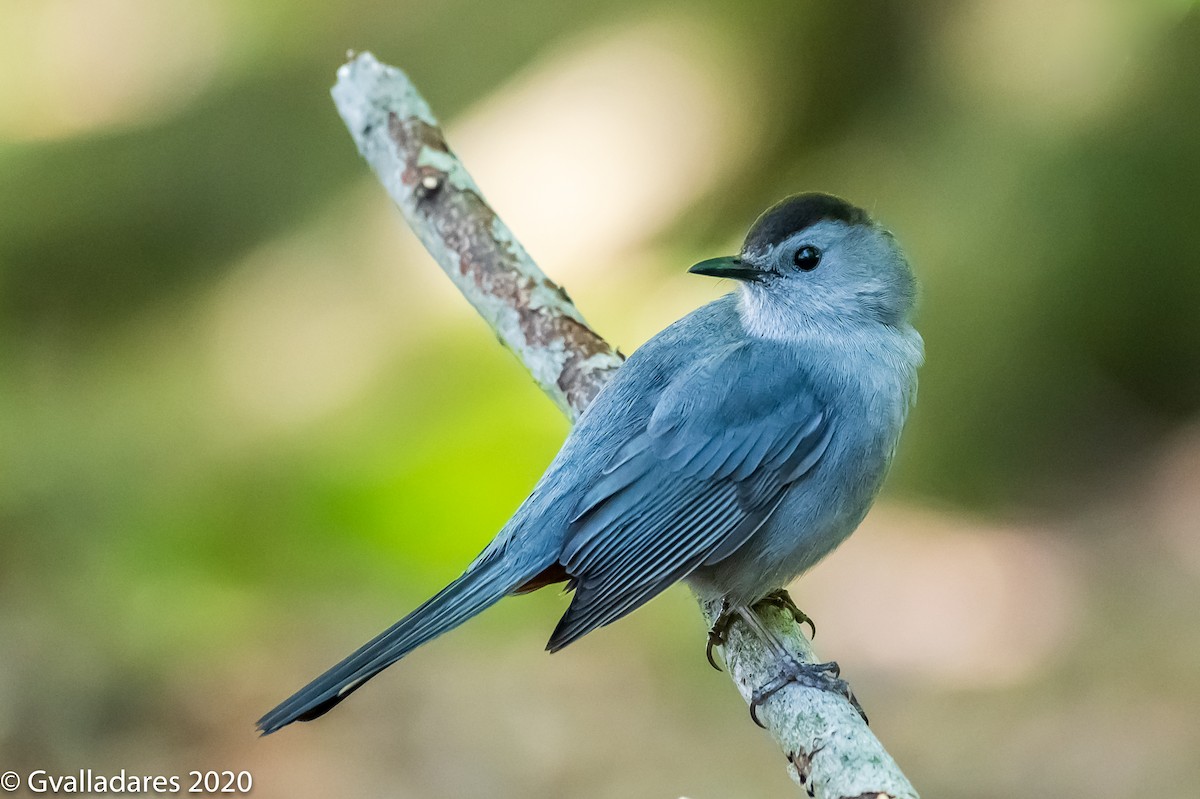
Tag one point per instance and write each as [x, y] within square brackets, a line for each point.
[555, 573]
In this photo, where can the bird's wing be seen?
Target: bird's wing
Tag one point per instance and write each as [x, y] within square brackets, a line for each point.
[725, 439]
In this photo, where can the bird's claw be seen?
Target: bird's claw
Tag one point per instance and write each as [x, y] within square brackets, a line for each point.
[714, 639]
[780, 599]
[754, 715]
[716, 633]
[783, 600]
[823, 676]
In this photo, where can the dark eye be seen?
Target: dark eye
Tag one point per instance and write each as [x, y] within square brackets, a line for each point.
[807, 258]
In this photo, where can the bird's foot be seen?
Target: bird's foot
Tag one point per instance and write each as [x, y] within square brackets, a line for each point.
[782, 599]
[822, 676]
[716, 633]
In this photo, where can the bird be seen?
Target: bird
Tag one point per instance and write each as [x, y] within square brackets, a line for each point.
[732, 451]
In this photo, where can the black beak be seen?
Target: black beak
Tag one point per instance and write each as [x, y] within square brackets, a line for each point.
[729, 266]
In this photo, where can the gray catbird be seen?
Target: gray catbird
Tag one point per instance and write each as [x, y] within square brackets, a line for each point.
[733, 450]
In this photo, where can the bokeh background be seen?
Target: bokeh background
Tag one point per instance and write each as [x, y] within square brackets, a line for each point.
[245, 423]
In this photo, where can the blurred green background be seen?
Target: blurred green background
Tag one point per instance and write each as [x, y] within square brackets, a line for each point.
[245, 423]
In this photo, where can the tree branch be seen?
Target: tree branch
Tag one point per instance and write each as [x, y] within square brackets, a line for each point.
[832, 752]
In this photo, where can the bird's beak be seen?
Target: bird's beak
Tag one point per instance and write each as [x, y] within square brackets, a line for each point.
[728, 266]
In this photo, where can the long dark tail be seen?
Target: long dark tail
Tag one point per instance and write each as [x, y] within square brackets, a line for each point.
[486, 583]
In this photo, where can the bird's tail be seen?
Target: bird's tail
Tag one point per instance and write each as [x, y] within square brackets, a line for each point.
[484, 584]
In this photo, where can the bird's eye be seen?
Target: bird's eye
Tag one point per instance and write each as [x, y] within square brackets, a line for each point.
[807, 258]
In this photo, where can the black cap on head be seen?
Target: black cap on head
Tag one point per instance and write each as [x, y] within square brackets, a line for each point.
[795, 213]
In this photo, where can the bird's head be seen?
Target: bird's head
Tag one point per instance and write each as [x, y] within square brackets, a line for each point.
[818, 258]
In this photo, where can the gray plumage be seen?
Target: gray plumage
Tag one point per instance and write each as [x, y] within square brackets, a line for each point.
[733, 450]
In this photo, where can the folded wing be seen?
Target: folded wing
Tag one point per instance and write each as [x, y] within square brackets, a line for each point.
[725, 440]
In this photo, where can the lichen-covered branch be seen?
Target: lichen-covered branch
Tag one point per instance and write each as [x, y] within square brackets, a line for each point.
[400, 138]
[831, 751]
